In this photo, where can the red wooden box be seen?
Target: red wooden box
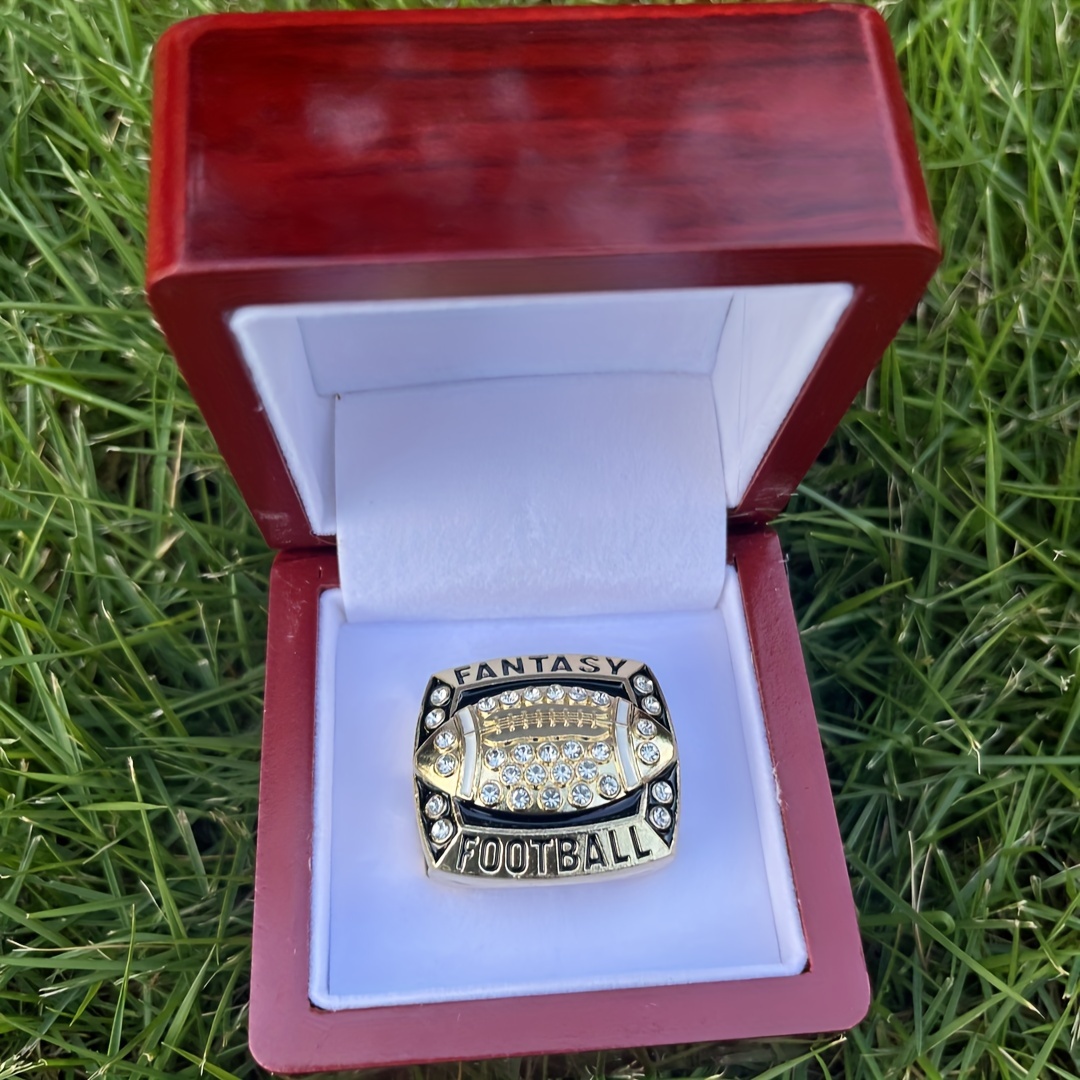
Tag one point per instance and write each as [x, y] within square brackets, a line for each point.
[623, 269]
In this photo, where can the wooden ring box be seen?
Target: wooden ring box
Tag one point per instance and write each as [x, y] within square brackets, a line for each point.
[516, 327]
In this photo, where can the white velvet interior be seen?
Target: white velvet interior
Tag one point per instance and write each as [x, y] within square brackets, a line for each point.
[384, 933]
[754, 345]
[547, 495]
[537, 474]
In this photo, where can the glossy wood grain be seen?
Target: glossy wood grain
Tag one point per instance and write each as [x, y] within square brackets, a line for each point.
[545, 136]
[377, 155]
[289, 1035]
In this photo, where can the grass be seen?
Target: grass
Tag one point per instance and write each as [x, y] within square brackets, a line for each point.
[934, 565]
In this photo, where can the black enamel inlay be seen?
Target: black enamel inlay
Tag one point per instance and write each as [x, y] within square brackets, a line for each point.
[507, 819]
[493, 688]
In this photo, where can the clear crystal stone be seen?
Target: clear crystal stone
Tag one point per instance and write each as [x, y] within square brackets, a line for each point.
[555, 692]
[577, 693]
[646, 727]
[435, 806]
[486, 704]
[495, 757]
[649, 752]
[599, 697]
[520, 799]
[548, 753]
[511, 774]
[651, 706]
[445, 739]
[532, 694]
[490, 793]
[523, 753]
[572, 750]
[536, 774]
[662, 791]
[509, 697]
[441, 831]
[446, 764]
[609, 787]
[551, 798]
[440, 695]
[581, 795]
[643, 684]
[587, 770]
[601, 751]
[660, 817]
[561, 773]
[434, 719]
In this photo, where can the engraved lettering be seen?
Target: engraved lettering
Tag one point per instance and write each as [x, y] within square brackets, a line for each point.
[516, 665]
[484, 672]
[539, 661]
[594, 853]
[589, 664]
[517, 856]
[561, 664]
[462, 674]
[614, 667]
[568, 855]
[639, 851]
[540, 846]
[491, 855]
[469, 844]
[616, 855]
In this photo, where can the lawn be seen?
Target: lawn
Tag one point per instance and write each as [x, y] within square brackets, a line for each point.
[934, 563]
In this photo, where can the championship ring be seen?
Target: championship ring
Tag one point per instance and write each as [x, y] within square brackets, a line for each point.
[539, 768]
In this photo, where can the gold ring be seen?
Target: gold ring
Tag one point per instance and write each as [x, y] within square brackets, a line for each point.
[545, 767]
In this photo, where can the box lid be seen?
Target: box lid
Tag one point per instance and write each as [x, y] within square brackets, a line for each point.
[323, 175]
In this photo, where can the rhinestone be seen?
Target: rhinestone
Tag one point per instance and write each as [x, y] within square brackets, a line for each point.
[445, 739]
[434, 719]
[599, 697]
[495, 757]
[555, 692]
[490, 793]
[440, 695]
[572, 750]
[551, 798]
[662, 791]
[532, 694]
[576, 693]
[581, 795]
[609, 787]
[446, 764]
[587, 770]
[520, 799]
[486, 704]
[509, 697]
[649, 752]
[601, 751]
[441, 831]
[660, 817]
[435, 806]
[646, 727]
[536, 774]
[523, 753]
[548, 753]
[561, 773]
[643, 684]
[651, 706]
[511, 774]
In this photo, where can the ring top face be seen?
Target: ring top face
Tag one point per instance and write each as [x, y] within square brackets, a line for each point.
[545, 767]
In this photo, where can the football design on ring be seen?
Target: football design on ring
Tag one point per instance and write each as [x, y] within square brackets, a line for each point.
[544, 768]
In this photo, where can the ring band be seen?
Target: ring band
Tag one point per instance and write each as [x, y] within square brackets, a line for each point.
[545, 767]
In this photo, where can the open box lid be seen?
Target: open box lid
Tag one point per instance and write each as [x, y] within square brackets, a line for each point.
[351, 202]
